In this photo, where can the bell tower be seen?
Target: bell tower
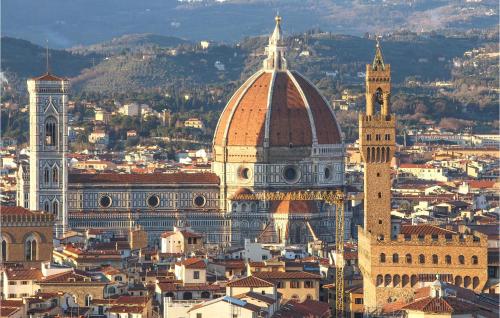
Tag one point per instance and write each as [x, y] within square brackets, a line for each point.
[48, 147]
[377, 132]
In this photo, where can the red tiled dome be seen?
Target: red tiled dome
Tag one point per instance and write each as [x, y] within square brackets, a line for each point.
[277, 109]
[293, 206]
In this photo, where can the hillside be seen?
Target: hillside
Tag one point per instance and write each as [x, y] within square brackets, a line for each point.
[70, 23]
[22, 59]
[130, 42]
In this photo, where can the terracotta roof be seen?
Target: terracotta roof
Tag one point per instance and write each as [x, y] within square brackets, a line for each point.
[16, 210]
[424, 229]
[70, 277]
[441, 305]
[293, 206]
[286, 275]
[307, 308]
[23, 274]
[48, 77]
[8, 311]
[126, 309]
[193, 263]
[283, 104]
[250, 281]
[150, 178]
[259, 297]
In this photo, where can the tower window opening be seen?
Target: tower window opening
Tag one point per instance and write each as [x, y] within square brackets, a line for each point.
[50, 132]
[380, 195]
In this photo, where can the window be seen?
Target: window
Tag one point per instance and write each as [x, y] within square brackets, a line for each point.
[24, 282]
[408, 259]
[377, 137]
[387, 137]
[308, 284]
[421, 259]
[30, 249]
[461, 259]
[198, 315]
[358, 301]
[196, 275]
[447, 259]
[474, 260]
[382, 258]
[380, 195]
[12, 283]
[368, 137]
[295, 284]
[55, 176]
[55, 207]
[50, 131]
[280, 284]
[4, 250]
[395, 258]
[435, 259]
[199, 201]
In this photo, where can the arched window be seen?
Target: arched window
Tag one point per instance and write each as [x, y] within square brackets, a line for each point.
[475, 282]
[4, 250]
[88, 300]
[447, 259]
[413, 280]
[387, 280]
[378, 155]
[55, 207]
[187, 296]
[387, 155]
[461, 259]
[55, 175]
[458, 281]
[382, 258]
[46, 206]
[50, 131]
[395, 258]
[421, 259]
[368, 154]
[380, 280]
[30, 248]
[474, 260]
[435, 259]
[46, 176]
[396, 280]
[408, 259]
[405, 280]
[467, 281]
[382, 159]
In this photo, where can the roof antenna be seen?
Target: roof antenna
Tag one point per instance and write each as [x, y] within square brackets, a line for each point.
[47, 56]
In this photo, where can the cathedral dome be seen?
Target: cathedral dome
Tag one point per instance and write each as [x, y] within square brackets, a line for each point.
[277, 107]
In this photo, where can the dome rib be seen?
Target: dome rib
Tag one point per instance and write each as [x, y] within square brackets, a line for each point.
[269, 110]
[306, 104]
[247, 121]
[323, 116]
[228, 112]
[289, 124]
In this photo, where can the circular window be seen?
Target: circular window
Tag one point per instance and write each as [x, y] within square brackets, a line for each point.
[199, 201]
[245, 173]
[291, 174]
[105, 201]
[327, 173]
[153, 201]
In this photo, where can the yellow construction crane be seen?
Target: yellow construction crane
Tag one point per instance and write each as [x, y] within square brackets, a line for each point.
[331, 197]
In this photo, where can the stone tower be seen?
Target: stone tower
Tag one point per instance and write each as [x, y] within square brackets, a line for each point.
[48, 147]
[377, 132]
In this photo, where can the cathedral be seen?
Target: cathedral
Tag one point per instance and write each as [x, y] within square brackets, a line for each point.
[276, 133]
